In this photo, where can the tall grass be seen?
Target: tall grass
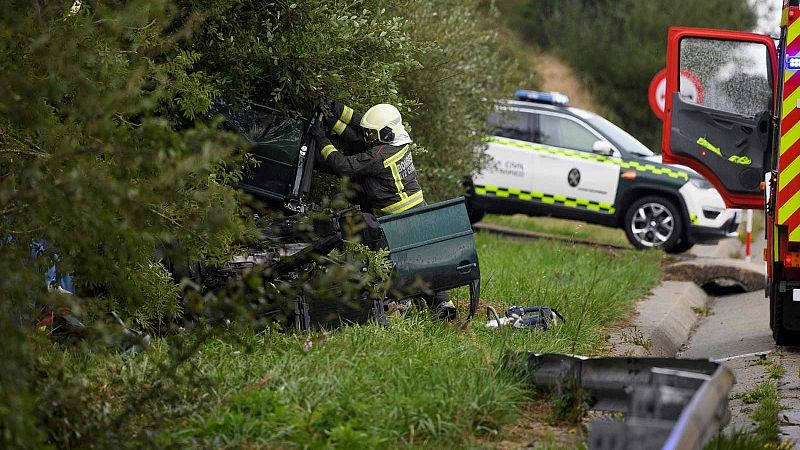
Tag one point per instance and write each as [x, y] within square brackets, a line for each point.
[416, 383]
[562, 227]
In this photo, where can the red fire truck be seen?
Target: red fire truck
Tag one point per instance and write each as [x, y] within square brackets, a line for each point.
[743, 135]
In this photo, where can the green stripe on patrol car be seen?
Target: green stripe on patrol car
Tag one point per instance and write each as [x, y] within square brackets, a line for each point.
[545, 198]
[666, 171]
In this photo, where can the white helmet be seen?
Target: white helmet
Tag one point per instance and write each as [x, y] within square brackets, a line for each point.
[382, 122]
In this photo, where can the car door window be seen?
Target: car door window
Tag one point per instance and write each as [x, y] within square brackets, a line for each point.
[564, 133]
[727, 76]
[510, 124]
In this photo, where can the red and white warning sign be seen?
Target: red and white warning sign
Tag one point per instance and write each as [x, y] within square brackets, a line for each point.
[691, 89]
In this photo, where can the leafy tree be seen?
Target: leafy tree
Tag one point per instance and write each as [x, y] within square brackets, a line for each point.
[89, 164]
[466, 67]
[438, 62]
[619, 45]
[109, 154]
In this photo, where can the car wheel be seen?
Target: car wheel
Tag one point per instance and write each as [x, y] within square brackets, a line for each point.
[681, 247]
[653, 222]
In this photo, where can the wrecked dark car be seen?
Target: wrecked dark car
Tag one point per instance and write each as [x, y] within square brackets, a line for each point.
[431, 248]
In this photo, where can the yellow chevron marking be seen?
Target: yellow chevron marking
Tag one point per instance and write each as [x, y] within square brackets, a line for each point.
[790, 138]
[793, 33]
[790, 103]
[788, 173]
[545, 198]
[794, 236]
[788, 208]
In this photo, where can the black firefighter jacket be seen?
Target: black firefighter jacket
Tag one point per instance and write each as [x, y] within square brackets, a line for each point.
[386, 174]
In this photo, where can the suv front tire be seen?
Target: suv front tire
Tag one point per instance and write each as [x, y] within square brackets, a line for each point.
[653, 222]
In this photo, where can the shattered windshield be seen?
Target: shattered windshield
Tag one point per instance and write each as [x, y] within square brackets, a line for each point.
[728, 76]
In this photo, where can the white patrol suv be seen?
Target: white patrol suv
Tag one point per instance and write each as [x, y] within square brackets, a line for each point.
[554, 160]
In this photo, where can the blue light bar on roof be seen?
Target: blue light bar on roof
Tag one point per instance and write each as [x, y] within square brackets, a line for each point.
[551, 98]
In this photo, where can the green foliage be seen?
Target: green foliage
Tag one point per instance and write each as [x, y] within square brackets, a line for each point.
[89, 163]
[619, 45]
[378, 265]
[289, 56]
[570, 406]
[464, 68]
[107, 152]
[416, 383]
[159, 304]
[592, 288]
[765, 417]
[439, 62]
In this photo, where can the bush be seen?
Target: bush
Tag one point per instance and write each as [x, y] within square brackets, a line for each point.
[108, 152]
[466, 67]
[439, 62]
[89, 164]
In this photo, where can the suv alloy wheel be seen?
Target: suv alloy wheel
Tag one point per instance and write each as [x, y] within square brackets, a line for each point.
[653, 222]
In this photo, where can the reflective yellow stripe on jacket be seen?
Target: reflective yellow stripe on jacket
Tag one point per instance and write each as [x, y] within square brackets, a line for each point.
[344, 120]
[339, 127]
[347, 115]
[406, 201]
[391, 163]
[327, 150]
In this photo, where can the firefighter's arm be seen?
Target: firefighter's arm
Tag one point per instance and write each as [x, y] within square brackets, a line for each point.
[359, 164]
[342, 120]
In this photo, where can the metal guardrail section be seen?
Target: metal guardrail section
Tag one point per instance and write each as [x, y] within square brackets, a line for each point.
[669, 403]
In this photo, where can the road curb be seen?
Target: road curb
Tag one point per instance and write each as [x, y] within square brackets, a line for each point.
[664, 321]
[701, 271]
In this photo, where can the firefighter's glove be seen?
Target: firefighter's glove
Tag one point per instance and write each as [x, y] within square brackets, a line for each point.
[339, 117]
[318, 133]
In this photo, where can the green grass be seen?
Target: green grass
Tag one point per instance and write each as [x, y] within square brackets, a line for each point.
[416, 383]
[776, 371]
[765, 415]
[567, 228]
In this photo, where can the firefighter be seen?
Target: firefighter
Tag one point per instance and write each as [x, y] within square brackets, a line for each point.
[382, 165]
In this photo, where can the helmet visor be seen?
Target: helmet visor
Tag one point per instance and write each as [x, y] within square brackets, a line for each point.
[370, 135]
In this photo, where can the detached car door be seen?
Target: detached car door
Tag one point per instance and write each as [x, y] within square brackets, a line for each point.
[720, 103]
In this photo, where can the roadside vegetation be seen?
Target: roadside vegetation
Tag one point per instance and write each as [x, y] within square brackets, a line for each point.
[561, 227]
[416, 383]
[765, 402]
[112, 155]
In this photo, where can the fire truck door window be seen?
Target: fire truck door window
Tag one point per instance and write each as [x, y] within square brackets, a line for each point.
[727, 76]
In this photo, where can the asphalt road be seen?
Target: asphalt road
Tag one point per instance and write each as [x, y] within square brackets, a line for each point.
[737, 325]
[736, 331]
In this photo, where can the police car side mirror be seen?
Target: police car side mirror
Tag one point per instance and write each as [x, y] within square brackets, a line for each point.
[602, 148]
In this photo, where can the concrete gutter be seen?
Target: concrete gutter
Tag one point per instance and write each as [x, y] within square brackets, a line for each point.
[701, 271]
[664, 321]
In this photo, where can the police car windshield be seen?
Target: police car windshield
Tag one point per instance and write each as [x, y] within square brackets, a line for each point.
[618, 136]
